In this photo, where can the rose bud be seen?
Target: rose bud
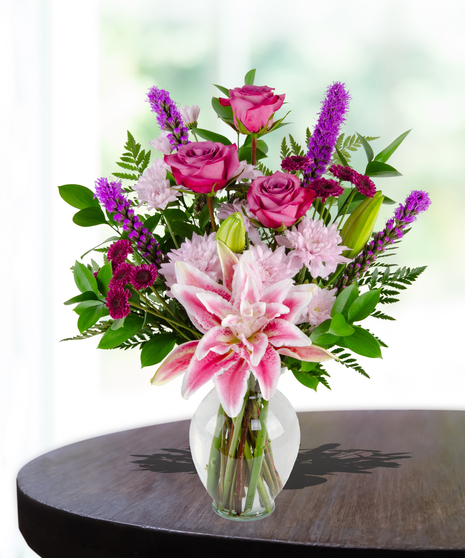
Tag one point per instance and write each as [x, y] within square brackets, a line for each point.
[232, 233]
[357, 230]
[253, 107]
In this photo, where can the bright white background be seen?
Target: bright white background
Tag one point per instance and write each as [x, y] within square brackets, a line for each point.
[74, 79]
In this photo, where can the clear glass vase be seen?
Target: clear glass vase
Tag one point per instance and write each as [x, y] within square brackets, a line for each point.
[245, 461]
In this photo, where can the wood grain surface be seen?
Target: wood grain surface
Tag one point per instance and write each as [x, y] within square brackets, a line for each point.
[366, 483]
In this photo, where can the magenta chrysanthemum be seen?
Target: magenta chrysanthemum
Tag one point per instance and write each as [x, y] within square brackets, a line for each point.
[295, 163]
[119, 251]
[315, 246]
[324, 188]
[343, 173]
[143, 276]
[363, 184]
[117, 302]
[121, 274]
[323, 140]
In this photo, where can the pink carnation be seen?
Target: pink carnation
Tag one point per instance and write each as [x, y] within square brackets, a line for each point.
[162, 143]
[201, 252]
[153, 188]
[319, 309]
[315, 246]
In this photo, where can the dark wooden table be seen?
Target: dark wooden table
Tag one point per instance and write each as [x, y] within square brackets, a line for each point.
[366, 483]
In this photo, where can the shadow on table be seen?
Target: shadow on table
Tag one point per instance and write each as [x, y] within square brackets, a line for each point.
[312, 465]
[310, 468]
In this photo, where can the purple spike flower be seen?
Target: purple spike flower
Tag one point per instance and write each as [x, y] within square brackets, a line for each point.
[416, 203]
[323, 140]
[168, 116]
[111, 195]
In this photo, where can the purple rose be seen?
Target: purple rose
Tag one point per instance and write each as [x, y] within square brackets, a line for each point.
[253, 106]
[204, 166]
[279, 199]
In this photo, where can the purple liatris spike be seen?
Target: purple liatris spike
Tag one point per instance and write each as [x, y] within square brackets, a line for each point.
[168, 116]
[111, 195]
[406, 213]
[323, 140]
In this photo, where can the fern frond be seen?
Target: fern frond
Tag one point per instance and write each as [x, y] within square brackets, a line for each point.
[348, 360]
[265, 170]
[96, 329]
[285, 151]
[296, 149]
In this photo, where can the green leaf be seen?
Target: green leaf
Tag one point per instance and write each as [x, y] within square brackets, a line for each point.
[126, 176]
[113, 338]
[224, 113]
[103, 278]
[91, 316]
[89, 217]
[222, 89]
[307, 379]
[344, 299]
[82, 306]
[366, 147]
[174, 215]
[385, 154]
[364, 305]
[388, 201]
[376, 168]
[89, 295]
[321, 337]
[117, 324]
[204, 216]
[362, 343]
[151, 222]
[342, 158]
[79, 197]
[84, 278]
[183, 229]
[339, 327]
[155, 350]
[212, 136]
[249, 77]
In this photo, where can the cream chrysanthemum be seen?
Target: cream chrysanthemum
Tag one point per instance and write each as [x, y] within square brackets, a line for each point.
[153, 188]
[319, 309]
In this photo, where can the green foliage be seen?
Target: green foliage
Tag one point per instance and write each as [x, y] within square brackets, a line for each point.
[265, 170]
[78, 196]
[133, 159]
[348, 360]
[346, 145]
[84, 278]
[376, 168]
[89, 217]
[309, 374]
[249, 77]
[114, 338]
[385, 154]
[97, 329]
[212, 136]
[157, 348]
[294, 149]
[390, 282]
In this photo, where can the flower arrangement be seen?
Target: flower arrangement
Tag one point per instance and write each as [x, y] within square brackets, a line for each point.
[220, 269]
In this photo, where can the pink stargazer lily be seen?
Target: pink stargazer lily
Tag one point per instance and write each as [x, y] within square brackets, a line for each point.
[246, 328]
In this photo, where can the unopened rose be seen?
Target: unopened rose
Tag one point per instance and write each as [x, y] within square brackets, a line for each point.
[279, 199]
[204, 166]
[253, 106]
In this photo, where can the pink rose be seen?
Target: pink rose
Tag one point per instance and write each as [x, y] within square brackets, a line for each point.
[279, 199]
[204, 165]
[253, 106]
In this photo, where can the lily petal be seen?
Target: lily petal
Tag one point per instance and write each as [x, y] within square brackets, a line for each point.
[257, 345]
[175, 363]
[218, 340]
[215, 304]
[200, 372]
[297, 300]
[200, 317]
[231, 387]
[187, 274]
[281, 332]
[228, 261]
[307, 354]
[277, 292]
[267, 372]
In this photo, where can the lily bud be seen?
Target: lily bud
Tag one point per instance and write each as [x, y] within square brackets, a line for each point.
[357, 230]
[232, 233]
